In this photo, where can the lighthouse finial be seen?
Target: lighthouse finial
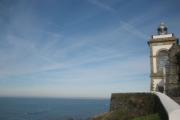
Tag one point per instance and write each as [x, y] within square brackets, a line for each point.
[162, 29]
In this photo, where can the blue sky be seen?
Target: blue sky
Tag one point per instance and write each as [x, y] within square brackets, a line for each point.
[79, 48]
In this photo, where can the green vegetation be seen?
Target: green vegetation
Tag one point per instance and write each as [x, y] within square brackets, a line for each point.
[121, 115]
[115, 115]
[148, 117]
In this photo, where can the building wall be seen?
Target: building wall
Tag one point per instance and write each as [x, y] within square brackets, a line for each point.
[155, 50]
[156, 45]
[173, 70]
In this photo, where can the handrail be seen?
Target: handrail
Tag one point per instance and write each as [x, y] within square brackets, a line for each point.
[171, 107]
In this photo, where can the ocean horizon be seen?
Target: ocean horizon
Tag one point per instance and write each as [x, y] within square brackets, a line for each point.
[37, 108]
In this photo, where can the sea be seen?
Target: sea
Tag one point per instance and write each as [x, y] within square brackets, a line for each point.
[51, 108]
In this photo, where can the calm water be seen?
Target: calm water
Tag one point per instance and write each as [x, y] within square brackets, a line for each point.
[50, 109]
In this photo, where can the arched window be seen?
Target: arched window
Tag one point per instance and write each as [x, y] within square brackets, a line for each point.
[163, 60]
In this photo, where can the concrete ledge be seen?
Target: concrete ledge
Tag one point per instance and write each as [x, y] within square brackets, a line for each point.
[171, 107]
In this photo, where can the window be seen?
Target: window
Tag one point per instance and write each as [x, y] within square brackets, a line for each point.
[162, 60]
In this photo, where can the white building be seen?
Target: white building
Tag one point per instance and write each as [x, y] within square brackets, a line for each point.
[160, 45]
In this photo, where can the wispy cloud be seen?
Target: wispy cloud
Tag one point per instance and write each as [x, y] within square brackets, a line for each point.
[69, 58]
[102, 5]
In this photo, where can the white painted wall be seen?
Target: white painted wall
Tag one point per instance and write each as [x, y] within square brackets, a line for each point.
[154, 64]
[162, 36]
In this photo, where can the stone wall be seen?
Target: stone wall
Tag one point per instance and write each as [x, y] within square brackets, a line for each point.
[140, 103]
[126, 106]
[173, 72]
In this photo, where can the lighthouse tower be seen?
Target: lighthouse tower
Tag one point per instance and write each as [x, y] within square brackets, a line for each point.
[159, 46]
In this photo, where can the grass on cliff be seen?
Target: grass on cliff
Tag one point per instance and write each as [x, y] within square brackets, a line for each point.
[122, 115]
[148, 117]
[114, 115]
